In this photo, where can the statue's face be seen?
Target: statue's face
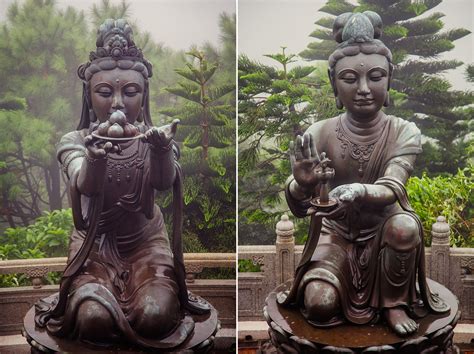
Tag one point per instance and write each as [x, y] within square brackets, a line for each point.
[361, 82]
[117, 89]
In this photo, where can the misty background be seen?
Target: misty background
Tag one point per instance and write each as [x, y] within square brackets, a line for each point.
[265, 25]
[42, 44]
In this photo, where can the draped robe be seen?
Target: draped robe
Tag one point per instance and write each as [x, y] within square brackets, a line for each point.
[350, 253]
[113, 268]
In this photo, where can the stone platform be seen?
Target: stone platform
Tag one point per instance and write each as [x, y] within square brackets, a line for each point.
[290, 332]
[200, 341]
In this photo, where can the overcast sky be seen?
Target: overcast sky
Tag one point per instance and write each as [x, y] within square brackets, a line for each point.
[176, 23]
[266, 25]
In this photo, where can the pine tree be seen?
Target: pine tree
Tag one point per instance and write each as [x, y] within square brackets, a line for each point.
[40, 49]
[105, 10]
[428, 99]
[207, 138]
[275, 104]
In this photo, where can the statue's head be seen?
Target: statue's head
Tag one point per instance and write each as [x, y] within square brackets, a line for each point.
[115, 77]
[360, 68]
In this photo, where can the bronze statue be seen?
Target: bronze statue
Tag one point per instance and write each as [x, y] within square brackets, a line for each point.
[364, 257]
[123, 282]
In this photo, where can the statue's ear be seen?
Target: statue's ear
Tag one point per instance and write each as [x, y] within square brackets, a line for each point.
[333, 83]
[390, 75]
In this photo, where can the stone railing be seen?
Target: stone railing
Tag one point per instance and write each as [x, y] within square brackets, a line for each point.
[15, 302]
[452, 267]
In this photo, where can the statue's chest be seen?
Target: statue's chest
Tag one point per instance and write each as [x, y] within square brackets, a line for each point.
[351, 156]
[123, 175]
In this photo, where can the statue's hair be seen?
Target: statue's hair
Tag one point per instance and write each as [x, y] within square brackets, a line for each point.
[115, 49]
[358, 33]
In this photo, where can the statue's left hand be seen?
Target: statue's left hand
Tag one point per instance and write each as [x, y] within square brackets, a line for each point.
[161, 137]
[348, 192]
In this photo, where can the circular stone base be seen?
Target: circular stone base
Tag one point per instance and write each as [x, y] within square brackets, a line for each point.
[291, 333]
[200, 341]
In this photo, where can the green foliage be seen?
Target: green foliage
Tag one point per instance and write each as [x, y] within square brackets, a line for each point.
[275, 104]
[217, 273]
[48, 236]
[192, 244]
[246, 265]
[414, 41]
[449, 196]
[106, 10]
[207, 137]
[470, 72]
[39, 100]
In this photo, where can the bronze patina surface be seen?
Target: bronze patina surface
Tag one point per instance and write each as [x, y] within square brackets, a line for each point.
[124, 283]
[364, 257]
[358, 338]
[200, 341]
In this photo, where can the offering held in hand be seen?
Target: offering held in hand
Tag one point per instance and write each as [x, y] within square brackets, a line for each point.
[117, 127]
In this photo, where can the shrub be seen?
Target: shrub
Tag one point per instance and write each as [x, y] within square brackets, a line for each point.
[47, 237]
[450, 196]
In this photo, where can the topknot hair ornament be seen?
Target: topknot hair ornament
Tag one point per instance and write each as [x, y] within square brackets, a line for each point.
[115, 42]
[358, 33]
[350, 28]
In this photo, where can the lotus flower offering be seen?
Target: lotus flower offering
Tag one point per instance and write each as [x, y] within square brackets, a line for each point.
[117, 128]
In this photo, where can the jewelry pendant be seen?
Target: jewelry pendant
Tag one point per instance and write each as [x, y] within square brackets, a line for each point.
[361, 164]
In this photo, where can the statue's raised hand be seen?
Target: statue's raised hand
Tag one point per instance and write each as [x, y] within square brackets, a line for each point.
[305, 161]
[161, 137]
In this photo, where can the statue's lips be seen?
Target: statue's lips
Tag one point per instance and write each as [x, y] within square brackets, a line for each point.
[363, 102]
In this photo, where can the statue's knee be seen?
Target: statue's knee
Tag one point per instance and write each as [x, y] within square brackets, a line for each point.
[157, 314]
[401, 232]
[321, 301]
[94, 322]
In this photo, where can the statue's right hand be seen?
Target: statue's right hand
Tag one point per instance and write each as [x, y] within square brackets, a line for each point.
[97, 148]
[304, 159]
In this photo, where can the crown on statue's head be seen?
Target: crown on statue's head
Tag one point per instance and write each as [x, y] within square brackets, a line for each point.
[115, 40]
[115, 48]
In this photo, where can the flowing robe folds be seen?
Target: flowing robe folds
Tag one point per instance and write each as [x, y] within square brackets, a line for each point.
[351, 252]
[126, 272]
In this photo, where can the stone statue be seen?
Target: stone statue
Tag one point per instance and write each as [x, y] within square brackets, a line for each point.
[364, 257]
[124, 280]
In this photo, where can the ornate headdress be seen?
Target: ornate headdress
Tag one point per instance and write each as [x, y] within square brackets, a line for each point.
[358, 33]
[115, 49]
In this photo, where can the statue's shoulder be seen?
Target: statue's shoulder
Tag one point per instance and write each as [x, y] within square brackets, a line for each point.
[405, 135]
[403, 125]
[72, 141]
[74, 137]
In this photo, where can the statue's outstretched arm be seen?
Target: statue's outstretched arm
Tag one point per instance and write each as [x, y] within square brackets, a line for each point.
[92, 170]
[375, 194]
[163, 155]
[84, 161]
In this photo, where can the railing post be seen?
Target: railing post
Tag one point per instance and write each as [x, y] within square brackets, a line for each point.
[285, 250]
[440, 270]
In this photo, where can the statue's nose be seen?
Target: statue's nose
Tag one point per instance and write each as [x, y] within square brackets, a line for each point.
[117, 102]
[363, 88]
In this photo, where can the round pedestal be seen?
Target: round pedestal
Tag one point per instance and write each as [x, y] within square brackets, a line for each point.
[291, 333]
[200, 341]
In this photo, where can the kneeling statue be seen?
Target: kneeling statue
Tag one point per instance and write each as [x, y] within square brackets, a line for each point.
[124, 281]
[364, 257]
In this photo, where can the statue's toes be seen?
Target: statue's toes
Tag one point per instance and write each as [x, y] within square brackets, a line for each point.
[411, 326]
[400, 330]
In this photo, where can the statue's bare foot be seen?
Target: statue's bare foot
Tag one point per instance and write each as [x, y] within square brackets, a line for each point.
[399, 321]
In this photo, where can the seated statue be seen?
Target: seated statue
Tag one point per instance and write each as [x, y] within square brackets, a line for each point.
[123, 282]
[364, 259]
